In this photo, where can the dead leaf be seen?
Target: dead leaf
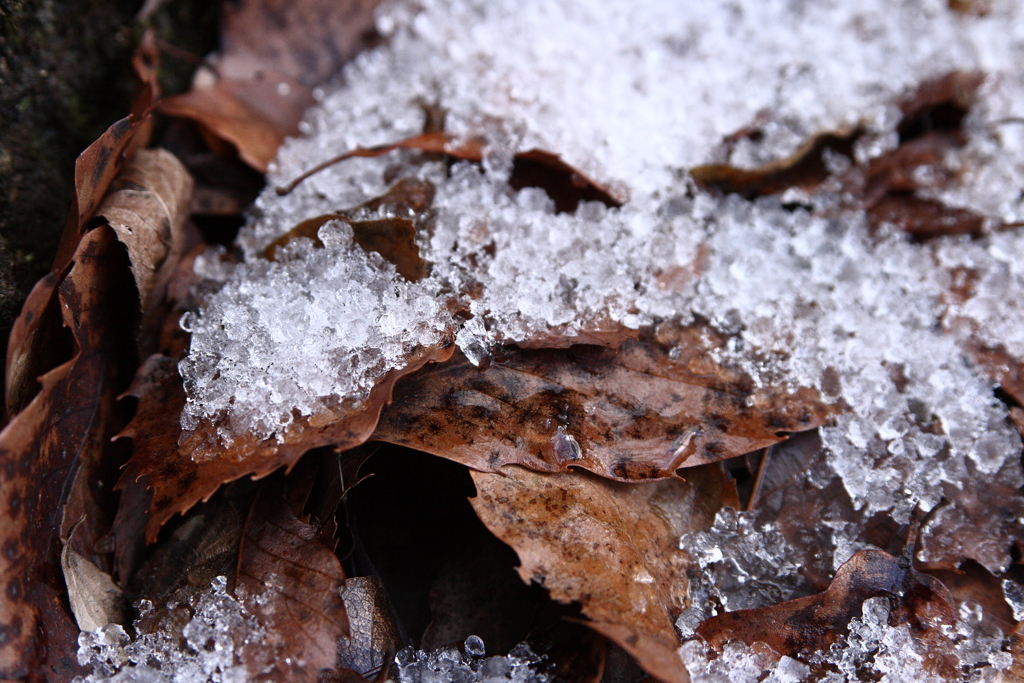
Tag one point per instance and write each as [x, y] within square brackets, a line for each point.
[472, 149]
[35, 345]
[293, 584]
[146, 206]
[805, 168]
[612, 547]
[636, 414]
[182, 474]
[95, 599]
[811, 624]
[67, 425]
[273, 53]
[254, 115]
[379, 226]
[373, 636]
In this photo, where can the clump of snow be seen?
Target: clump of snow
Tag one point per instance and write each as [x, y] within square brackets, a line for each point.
[210, 648]
[469, 665]
[273, 336]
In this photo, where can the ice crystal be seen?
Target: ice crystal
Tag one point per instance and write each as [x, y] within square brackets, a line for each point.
[469, 665]
[210, 648]
[743, 566]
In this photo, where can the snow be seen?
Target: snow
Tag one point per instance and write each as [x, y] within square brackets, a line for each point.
[633, 95]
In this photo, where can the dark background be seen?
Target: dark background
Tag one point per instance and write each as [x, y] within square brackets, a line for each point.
[65, 76]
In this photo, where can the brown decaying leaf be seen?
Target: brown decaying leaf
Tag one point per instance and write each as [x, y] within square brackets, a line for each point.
[95, 599]
[292, 583]
[34, 347]
[146, 206]
[66, 426]
[273, 53]
[471, 149]
[182, 474]
[373, 636]
[638, 413]
[886, 186]
[612, 547]
[393, 237]
[813, 623]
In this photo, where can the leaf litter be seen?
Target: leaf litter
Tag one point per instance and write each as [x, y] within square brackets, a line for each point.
[816, 298]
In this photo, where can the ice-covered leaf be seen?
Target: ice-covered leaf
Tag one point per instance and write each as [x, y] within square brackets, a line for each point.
[610, 546]
[184, 471]
[640, 412]
[812, 624]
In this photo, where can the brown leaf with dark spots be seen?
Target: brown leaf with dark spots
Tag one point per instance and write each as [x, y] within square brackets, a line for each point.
[612, 547]
[293, 584]
[182, 474]
[813, 623]
[632, 414]
[67, 426]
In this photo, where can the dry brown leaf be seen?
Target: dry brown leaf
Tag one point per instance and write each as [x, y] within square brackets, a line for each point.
[146, 205]
[373, 636]
[612, 547]
[811, 624]
[35, 346]
[95, 599]
[273, 53]
[472, 149]
[293, 584]
[635, 414]
[252, 115]
[66, 426]
[182, 474]
[393, 237]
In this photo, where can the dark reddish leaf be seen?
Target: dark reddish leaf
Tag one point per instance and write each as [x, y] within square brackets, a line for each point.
[394, 237]
[813, 623]
[612, 547]
[805, 168]
[273, 53]
[183, 474]
[65, 430]
[631, 414]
